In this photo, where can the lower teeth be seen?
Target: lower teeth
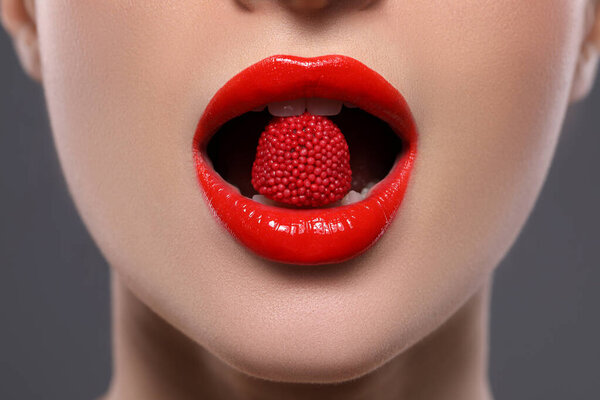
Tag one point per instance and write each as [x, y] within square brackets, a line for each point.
[350, 198]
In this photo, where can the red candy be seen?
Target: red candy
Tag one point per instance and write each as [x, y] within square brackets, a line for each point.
[302, 161]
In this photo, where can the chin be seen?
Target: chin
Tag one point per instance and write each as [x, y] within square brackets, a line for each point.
[315, 331]
[337, 357]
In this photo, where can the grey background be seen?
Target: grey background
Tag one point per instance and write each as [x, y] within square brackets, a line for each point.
[54, 304]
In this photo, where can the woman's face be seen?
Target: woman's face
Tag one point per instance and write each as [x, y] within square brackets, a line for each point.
[488, 83]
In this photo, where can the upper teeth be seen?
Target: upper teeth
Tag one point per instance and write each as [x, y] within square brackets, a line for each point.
[315, 106]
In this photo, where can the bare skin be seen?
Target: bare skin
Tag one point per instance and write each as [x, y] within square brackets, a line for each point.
[197, 315]
[152, 360]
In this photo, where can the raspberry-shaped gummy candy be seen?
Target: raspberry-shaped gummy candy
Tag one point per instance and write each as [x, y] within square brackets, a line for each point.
[302, 161]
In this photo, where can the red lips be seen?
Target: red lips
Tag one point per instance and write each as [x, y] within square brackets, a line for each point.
[306, 236]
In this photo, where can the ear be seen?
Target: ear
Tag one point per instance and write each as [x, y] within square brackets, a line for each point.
[587, 64]
[18, 18]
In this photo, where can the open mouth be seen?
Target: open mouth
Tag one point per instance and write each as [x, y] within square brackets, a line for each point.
[336, 215]
[372, 145]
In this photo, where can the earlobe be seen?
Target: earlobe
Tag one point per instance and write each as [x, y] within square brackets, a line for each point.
[18, 18]
[587, 63]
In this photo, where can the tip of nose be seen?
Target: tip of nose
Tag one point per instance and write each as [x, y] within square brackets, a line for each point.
[308, 6]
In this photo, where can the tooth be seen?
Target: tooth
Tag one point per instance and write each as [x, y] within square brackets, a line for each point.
[367, 189]
[350, 105]
[259, 198]
[351, 198]
[318, 106]
[288, 108]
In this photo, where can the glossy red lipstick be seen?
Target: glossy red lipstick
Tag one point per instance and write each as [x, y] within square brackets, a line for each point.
[306, 236]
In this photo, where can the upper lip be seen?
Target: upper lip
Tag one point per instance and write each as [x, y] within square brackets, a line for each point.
[337, 77]
[313, 236]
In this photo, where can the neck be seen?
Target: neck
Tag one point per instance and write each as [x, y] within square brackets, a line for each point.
[153, 360]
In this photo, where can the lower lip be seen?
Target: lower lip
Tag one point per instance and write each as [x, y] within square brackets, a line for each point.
[306, 236]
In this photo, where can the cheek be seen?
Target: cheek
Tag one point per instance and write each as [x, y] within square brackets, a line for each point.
[117, 85]
[490, 83]
[119, 79]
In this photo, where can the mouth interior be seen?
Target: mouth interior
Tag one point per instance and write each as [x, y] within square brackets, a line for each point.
[373, 147]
